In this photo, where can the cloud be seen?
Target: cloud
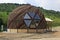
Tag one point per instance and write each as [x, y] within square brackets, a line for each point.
[53, 5]
[12, 1]
[49, 4]
[39, 2]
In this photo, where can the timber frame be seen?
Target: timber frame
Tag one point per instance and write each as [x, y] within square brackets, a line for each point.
[16, 18]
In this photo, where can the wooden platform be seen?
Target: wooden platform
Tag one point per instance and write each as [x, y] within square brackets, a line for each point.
[24, 30]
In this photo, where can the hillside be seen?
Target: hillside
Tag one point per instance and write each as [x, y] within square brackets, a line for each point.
[5, 8]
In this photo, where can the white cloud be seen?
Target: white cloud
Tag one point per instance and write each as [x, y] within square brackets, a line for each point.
[49, 4]
[12, 1]
[41, 2]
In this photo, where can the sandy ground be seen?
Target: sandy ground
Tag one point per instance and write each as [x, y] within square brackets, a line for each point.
[32, 36]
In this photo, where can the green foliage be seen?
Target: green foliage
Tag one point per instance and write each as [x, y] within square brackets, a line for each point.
[6, 8]
[4, 17]
[54, 15]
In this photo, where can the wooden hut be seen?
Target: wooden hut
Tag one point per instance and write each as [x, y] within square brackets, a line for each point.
[25, 18]
[49, 24]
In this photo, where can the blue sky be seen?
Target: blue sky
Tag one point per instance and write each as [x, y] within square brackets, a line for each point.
[46, 4]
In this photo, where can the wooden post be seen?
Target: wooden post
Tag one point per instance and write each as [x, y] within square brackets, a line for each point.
[17, 30]
[36, 27]
[27, 29]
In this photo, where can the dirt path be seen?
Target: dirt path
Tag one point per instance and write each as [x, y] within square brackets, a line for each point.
[32, 36]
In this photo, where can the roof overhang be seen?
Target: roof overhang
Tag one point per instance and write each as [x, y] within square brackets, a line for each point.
[47, 19]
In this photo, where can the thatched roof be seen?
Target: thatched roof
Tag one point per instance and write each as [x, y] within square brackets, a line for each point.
[48, 19]
[16, 17]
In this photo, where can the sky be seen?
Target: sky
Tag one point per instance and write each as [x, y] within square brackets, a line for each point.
[46, 4]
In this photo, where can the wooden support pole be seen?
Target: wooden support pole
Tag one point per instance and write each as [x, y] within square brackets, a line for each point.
[27, 29]
[36, 29]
